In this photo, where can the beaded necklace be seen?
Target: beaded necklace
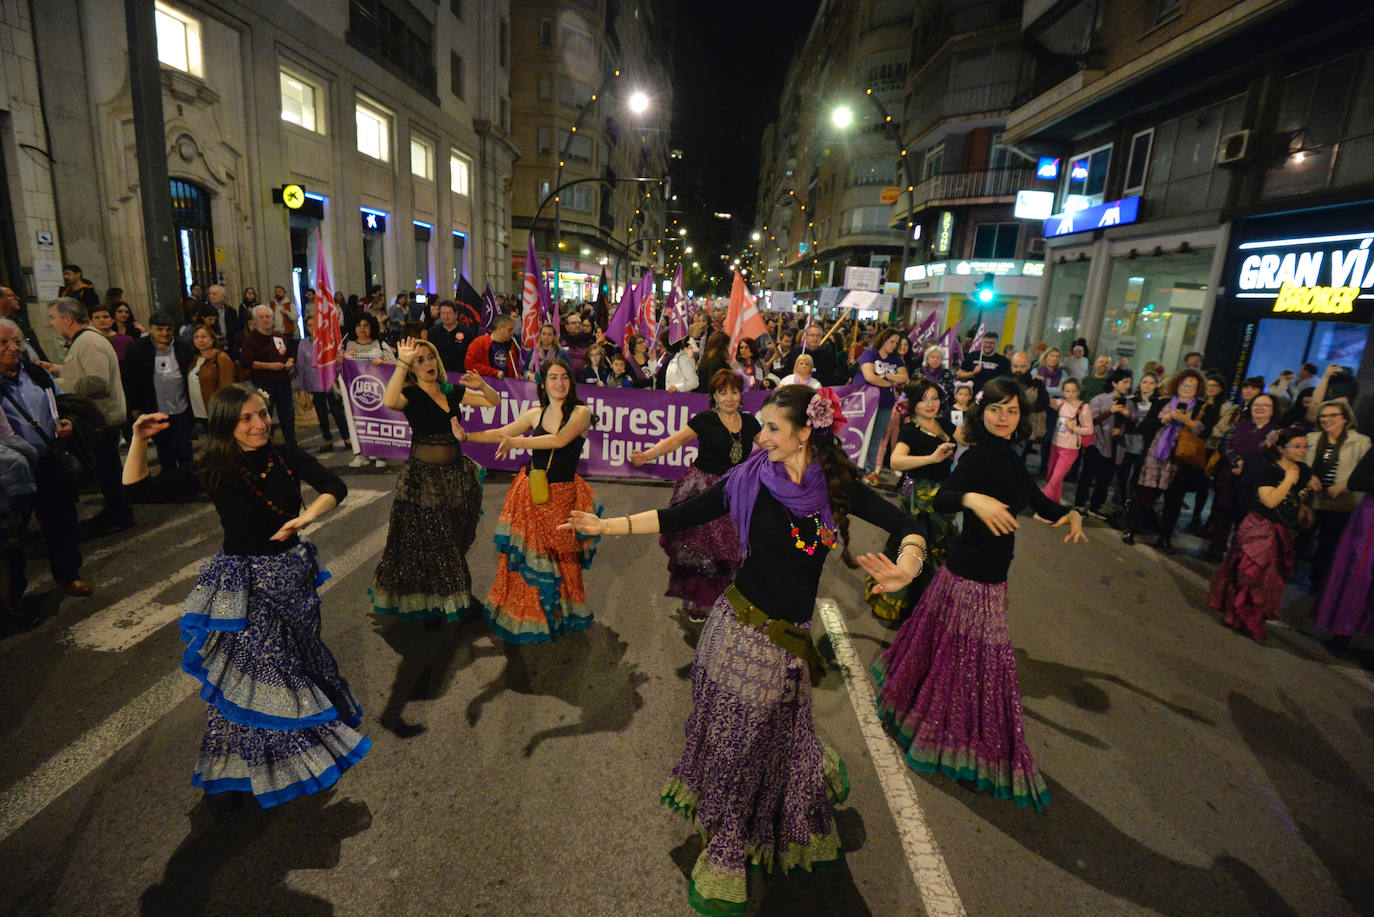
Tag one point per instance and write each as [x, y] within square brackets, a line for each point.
[824, 534]
[262, 475]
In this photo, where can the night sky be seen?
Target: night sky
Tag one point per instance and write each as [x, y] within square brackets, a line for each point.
[729, 62]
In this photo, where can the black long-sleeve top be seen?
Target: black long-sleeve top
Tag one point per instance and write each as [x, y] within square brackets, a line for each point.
[249, 523]
[777, 576]
[1362, 478]
[992, 468]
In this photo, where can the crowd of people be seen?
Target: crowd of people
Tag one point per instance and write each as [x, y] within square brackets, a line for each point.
[962, 448]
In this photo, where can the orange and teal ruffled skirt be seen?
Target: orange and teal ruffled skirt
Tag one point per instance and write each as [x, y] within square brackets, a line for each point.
[538, 594]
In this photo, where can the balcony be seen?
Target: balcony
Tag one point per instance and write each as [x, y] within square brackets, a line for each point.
[944, 19]
[989, 186]
[930, 108]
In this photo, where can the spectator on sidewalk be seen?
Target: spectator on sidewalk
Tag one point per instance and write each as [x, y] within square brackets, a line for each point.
[283, 312]
[327, 401]
[269, 356]
[158, 367]
[981, 368]
[211, 371]
[29, 396]
[449, 337]
[92, 371]
[12, 309]
[78, 287]
[1112, 413]
[226, 320]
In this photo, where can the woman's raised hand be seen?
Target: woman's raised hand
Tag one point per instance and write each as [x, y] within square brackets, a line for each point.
[506, 444]
[149, 425]
[473, 380]
[405, 350]
[1075, 521]
[584, 524]
[887, 576]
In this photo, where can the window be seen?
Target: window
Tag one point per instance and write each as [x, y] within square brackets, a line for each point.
[545, 88]
[545, 186]
[1086, 180]
[178, 40]
[423, 232]
[571, 92]
[546, 33]
[545, 140]
[395, 35]
[872, 170]
[299, 102]
[504, 46]
[1139, 163]
[580, 147]
[578, 46]
[578, 197]
[934, 162]
[999, 157]
[996, 240]
[455, 75]
[865, 219]
[505, 113]
[374, 132]
[421, 158]
[460, 173]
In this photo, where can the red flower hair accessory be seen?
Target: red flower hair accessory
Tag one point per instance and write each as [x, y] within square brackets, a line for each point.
[825, 412]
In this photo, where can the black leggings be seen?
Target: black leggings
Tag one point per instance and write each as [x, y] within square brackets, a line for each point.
[1173, 505]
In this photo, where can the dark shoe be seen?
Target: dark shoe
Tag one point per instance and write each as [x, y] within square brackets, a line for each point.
[78, 587]
[327, 446]
[1338, 645]
[105, 521]
[1127, 536]
[1097, 513]
[1165, 544]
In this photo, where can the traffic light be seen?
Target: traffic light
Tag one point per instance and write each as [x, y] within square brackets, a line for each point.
[984, 291]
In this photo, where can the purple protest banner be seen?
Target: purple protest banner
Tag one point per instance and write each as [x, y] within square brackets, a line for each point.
[624, 419]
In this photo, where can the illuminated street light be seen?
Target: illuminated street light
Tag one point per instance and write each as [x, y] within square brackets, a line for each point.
[842, 117]
[682, 231]
[756, 236]
[639, 103]
[688, 250]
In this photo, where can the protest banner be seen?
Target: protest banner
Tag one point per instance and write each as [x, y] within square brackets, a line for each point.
[624, 419]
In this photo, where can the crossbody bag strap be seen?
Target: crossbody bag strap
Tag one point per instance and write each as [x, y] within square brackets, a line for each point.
[29, 417]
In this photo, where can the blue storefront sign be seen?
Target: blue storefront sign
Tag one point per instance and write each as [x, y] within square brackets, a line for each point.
[1112, 213]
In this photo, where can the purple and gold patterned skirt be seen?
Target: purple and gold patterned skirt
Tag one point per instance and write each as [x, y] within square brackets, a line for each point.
[280, 721]
[702, 561]
[754, 780]
[950, 694]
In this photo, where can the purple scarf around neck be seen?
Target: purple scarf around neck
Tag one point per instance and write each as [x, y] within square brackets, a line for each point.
[742, 485]
[937, 376]
[1164, 442]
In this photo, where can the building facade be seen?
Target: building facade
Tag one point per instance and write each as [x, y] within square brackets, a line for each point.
[593, 109]
[1207, 153]
[393, 119]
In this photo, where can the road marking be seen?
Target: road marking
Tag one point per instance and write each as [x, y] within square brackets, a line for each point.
[923, 855]
[45, 581]
[64, 770]
[136, 617]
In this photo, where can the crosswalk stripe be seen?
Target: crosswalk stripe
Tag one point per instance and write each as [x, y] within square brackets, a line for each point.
[923, 856]
[136, 617]
[64, 770]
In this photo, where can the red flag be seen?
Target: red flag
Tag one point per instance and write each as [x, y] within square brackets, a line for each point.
[327, 333]
[742, 319]
[647, 321]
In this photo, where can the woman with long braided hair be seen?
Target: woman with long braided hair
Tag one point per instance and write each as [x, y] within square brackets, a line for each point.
[755, 780]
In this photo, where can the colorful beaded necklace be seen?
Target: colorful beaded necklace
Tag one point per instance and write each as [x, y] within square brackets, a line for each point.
[824, 534]
[262, 475]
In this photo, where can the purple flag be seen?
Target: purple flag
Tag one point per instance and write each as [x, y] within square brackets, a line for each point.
[615, 330]
[676, 310]
[925, 331]
[977, 345]
[952, 349]
[647, 324]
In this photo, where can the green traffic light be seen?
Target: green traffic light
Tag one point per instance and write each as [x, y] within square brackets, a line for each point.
[984, 295]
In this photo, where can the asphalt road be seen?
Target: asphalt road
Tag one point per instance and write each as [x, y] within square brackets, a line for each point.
[1192, 771]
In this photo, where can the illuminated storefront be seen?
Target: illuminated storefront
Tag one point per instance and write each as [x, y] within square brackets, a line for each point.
[950, 288]
[1299, 288]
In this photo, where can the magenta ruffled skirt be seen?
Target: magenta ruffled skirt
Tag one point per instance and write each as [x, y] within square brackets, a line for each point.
[702, 561]
[950, 695]
[1346, 605]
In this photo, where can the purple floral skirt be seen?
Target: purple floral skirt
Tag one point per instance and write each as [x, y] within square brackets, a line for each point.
[754, 780]
[701, 561]
[950, 694]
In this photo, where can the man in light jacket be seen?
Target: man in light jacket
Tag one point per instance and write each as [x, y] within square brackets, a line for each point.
[92, 371]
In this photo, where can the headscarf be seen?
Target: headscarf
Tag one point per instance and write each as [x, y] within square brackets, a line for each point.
[742, 485]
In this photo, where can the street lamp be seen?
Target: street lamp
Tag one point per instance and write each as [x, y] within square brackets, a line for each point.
[842, 117]
[682, 231]
[639, 103]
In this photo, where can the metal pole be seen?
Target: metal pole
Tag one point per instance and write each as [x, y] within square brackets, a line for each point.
[150, 139]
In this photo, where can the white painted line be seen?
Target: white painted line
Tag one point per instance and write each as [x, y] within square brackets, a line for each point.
[44, 580]
[64, 770]
[136, 617]
[923, 856]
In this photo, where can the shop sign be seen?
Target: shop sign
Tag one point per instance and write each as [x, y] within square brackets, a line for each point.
[1033, 205]
[1047, 168]
[944, 233]
[1100, 216]
[917, 272]
[1321, 275]
[889, 195]
[373, 220]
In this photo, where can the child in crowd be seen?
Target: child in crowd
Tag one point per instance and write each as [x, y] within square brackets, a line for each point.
[1073, 429]
[619, 377]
